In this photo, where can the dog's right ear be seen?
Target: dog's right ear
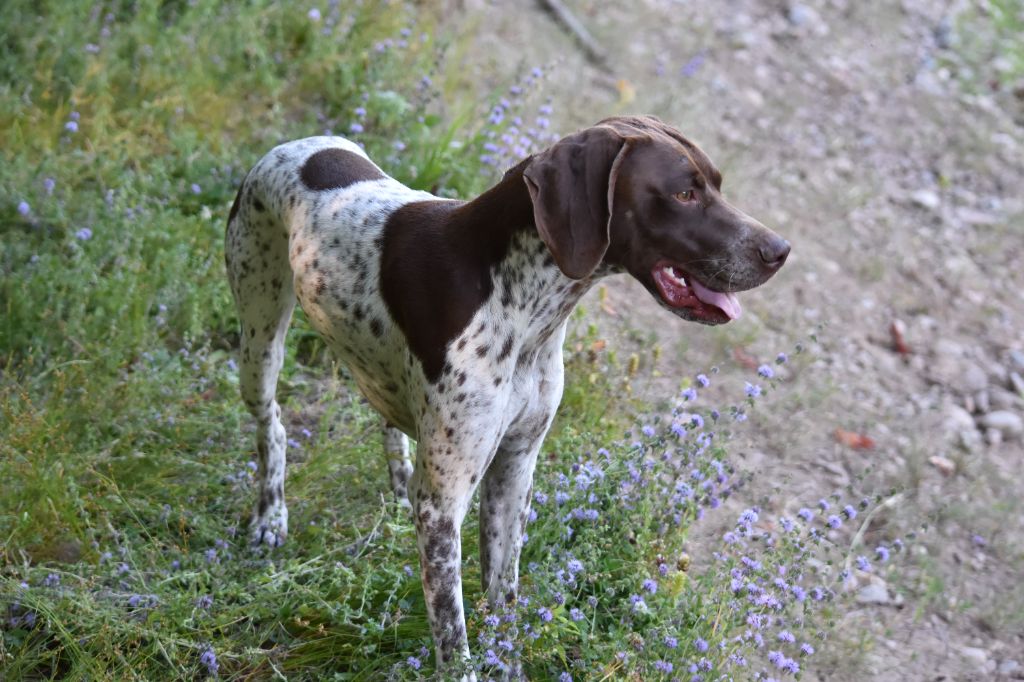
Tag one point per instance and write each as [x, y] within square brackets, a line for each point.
[572, 185]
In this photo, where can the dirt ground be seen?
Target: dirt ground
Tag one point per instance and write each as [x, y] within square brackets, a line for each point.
[863, 133]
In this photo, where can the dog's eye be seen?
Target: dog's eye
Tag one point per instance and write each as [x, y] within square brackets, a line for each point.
[685, 195]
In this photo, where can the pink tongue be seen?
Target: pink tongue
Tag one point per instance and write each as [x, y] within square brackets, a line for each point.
[727, 303]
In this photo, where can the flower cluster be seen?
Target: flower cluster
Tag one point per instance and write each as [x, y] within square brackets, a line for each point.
[511, 135]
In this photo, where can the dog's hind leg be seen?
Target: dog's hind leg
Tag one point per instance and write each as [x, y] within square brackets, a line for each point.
[256, 254]
[396, 449]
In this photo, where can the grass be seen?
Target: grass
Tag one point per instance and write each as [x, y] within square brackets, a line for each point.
[126, 453]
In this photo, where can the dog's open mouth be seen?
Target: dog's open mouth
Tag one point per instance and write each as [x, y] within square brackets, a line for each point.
[680, 290]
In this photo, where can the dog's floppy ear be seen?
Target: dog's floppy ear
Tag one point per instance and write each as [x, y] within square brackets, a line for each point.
[572, 185]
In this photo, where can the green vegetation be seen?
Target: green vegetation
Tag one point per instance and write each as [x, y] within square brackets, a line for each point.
[125, 451]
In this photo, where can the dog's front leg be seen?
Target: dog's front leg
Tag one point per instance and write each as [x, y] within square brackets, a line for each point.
[504, 508]
[440, 490]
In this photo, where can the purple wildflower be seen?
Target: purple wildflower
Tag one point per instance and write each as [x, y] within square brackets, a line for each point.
[313, 14]
[882, 553]
[648, 430]
[703, 380]
[51, 580]
[650, 586]
[689, 394]
[748, 517]
[834, 521]
[24, 208]
[752, 390]
[700, 644]
[806, 649]
[766, 371]
[849, 512]
[196, 189]
[209, 659]
[671, 642]
[85, 234]
[355, 127]
[545, 614]
[413, 662]
[691, 67]
[863, 564]
[786, 636]
[805, 514]
[663, 666]
[49, 184]
[204, 602]
[781, 359]
[575, 614]
[71, 126]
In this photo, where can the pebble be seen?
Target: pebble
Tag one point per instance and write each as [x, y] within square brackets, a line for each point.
[1009, 667]
[975, 655]
[1003, 399]
[1018, 358]
[1008, 424]
[874, 593]
[925, 198]
[945, 466]
[1017, 382]
[798, 14]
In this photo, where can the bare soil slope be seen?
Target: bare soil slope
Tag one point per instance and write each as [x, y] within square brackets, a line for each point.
[861, 132]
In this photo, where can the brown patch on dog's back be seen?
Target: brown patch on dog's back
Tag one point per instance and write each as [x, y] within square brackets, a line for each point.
[337, 168]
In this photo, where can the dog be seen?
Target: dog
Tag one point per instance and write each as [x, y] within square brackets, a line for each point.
[451, 315]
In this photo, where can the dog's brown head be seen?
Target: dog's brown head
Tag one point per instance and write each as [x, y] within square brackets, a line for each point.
[634, 193]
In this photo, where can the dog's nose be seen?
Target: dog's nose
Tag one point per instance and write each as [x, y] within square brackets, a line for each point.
[774, 252]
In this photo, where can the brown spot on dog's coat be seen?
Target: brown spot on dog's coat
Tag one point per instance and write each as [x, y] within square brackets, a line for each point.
[337, 168]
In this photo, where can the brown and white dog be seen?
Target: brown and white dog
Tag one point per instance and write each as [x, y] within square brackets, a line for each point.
[451, 314]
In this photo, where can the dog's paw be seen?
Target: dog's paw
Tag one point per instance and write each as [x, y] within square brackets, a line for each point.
[269, 529]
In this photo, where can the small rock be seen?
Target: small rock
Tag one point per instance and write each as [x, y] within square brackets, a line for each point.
[973, 378]
[874, 593]
[1009, 667]
[1017, 357]
[1006, 400]
[798, 14]
[993, 436]
[945, 466]
[971, 216]
[976, 656]
[925, 198]
[956, 419]
[981, 401]
[1009, 424]
[1017, 382]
